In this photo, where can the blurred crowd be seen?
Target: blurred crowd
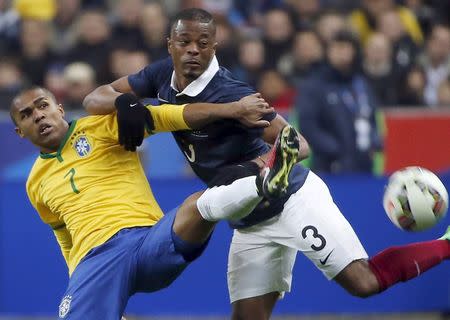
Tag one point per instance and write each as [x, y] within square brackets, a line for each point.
[331, 63]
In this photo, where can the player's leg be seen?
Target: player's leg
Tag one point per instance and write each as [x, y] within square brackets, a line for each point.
[181, 236]
[256, 308]
[196, 217]
[259, 272]
[103, 281]
[199, 213]
[393, 265]
[329, 241]
[311, 223]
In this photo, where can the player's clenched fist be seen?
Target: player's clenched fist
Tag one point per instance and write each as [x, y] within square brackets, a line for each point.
[132, 118]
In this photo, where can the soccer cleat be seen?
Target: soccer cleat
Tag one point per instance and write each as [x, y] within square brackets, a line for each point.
[285, 153]
[446, 235]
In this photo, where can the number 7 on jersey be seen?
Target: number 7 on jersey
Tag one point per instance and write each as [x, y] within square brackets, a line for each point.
[72, 180]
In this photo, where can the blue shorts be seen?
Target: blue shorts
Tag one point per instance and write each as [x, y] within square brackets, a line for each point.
[141, 259]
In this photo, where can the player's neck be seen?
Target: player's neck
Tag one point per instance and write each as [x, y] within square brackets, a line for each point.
[56, 144]
[183, 82]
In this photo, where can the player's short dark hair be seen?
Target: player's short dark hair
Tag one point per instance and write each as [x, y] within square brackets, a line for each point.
[193, 14]
[28, 88]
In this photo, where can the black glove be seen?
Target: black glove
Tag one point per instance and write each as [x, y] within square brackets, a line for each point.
[132, 118]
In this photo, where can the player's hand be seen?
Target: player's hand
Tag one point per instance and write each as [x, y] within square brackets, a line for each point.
[251, 109]
[132, 119]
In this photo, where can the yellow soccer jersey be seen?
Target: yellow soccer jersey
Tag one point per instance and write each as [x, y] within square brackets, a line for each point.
[91, 187]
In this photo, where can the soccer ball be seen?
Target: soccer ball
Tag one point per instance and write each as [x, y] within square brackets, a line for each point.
[415, 199]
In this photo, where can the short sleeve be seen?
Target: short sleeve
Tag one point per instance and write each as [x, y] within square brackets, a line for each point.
[168, 117]
[145, 82]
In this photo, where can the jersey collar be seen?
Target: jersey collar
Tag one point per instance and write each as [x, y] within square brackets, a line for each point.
[197, 86]
[57, 154]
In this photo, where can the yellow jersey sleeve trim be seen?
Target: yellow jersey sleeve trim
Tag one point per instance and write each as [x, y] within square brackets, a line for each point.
[168, 117]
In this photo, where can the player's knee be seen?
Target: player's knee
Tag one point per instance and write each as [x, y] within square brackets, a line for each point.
[191, 201]
[363, 288]
[253, 314]
[358, 280]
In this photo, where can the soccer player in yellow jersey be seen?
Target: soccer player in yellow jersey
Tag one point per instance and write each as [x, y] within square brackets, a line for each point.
[96, 198]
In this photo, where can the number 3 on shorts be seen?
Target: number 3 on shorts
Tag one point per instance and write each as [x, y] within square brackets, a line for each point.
[316, 235]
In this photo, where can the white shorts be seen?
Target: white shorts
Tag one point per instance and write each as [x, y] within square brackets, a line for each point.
[262, 257]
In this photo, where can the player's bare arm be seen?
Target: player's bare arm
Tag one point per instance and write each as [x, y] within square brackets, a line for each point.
[101, 100]
[249, 110]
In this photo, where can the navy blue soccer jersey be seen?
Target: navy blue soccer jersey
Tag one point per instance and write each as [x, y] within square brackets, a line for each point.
[221, 143]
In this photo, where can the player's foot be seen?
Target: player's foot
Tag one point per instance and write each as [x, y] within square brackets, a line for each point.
[274, 180]
[446, 235]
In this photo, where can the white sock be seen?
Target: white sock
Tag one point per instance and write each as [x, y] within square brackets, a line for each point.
[231, 202]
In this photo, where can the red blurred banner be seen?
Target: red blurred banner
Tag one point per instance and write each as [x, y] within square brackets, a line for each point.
[417, 137]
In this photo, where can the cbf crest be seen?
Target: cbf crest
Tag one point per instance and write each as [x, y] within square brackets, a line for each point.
[82, 146]
[64, 306]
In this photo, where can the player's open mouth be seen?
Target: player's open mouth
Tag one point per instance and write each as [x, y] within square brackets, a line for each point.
[45, 129]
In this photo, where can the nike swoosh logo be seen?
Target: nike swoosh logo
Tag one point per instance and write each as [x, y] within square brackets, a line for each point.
[133, 105]
[324, 261]
[161, 99]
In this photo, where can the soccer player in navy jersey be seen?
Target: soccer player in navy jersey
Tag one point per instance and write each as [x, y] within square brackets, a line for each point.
[305, 220]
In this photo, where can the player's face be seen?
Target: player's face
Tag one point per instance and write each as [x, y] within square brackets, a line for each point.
[192, 45]
[39, 119]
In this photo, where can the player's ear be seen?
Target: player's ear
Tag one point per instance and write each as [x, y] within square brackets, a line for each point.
[61, 109]
[19, 132]
[215, 46]
[169, 45]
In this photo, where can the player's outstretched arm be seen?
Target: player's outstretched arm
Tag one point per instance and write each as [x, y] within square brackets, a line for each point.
[249, 110]
[102, 100]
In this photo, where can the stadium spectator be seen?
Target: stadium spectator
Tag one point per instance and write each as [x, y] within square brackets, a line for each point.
[250, 13]
[64, 25]
[278, 32]
[93, 42]
[154, 24]
[412, 88]
[12, 81]
[328, 24]
[9, 27]
[444, 93]
[251, 61]
[226, 43]
[35, 55]
[55, 82]
[404, 50]
[364, 20]
[424, 12]
[337, 112]
[79, 78]
[305, 57]
[436, 61]
[126, 29]
[305, 12]
[379, 69]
